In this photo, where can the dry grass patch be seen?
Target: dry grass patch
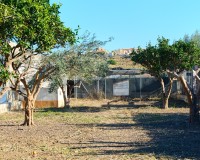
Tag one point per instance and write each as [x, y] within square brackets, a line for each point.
[90, 131]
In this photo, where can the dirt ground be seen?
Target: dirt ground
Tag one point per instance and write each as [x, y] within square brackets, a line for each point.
[94, 131]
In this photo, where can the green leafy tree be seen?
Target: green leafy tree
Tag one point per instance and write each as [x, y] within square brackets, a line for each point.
[6, 16]
[155, 61]
[184, 57]
[29, 28]
[4, 74]
[173, 60]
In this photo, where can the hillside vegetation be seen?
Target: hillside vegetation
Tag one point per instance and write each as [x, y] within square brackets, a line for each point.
[123, 62]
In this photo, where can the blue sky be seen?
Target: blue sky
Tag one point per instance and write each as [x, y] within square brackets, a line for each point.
[132, 23]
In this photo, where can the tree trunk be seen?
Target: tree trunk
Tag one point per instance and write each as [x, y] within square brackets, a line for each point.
[70, 95]
[192, 100]
[29, 107]
[186, 89]
[70, 88]
[194, 111]
[164, 97]
[66, 102]
[168, 92]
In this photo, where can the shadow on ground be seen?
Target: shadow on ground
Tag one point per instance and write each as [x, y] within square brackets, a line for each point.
[113, 105]
[173, 103]
[170, 135]
[74, 109]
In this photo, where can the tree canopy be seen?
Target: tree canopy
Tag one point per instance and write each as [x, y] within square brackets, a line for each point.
[155, 59]
[80, 61]
[172, 60]
[29, 26]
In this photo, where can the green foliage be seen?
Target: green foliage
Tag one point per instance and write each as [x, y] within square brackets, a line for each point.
[112, 62]
[153, 58]
[177, 57]
[4, 74]
[164, 58]
[80, 61]
[36, 24]
[33, 26]
[184, 55]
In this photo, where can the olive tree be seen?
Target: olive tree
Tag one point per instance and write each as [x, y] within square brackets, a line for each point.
[80, 60]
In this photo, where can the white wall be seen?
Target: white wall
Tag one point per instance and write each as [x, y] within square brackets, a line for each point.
[45, 95]
[45, 98]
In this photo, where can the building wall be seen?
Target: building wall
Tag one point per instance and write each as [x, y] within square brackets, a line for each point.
[45, 95]
[46, 99]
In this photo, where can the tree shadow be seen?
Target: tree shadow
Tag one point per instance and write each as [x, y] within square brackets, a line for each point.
[170, 135]
[105, 126]
[8, 125]
[173, 103]
[176, 103]
[112, 105]
[73, 109]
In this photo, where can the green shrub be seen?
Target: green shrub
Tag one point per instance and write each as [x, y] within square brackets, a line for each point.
[112, 61]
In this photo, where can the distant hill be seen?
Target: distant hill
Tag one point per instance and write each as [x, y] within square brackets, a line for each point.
[123, 62]
[122, 52]
[119, 58]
